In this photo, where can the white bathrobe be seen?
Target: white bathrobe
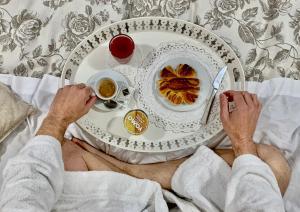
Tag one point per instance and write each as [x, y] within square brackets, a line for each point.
[35, 181]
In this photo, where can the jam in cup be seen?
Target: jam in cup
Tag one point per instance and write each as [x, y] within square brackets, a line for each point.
[121, 47]
[136, 122]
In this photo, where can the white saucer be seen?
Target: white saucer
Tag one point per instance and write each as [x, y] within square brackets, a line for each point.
[123, 83]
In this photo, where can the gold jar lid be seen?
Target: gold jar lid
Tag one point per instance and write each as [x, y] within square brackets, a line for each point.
[136, 122]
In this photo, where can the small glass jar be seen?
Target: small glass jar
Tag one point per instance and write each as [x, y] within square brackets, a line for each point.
[136, 122]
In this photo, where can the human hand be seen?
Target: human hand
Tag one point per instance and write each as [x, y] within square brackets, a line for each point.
[71, 103]
[240, 124]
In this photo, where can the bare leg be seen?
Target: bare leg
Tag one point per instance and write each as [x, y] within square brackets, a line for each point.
[72, 158]
[159, 172]
[78, 159]
[163, 172]
[96, 163]
[226, 154]
[270, 155]
[279, 165]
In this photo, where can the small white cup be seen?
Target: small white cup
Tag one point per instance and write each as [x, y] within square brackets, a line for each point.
[96, 88]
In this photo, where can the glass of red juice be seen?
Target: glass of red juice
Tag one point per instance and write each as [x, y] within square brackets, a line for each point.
[122, 47]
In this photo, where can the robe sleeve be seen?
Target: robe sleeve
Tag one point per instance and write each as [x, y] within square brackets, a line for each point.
[252, 187]
[202, 179]
[33, 180]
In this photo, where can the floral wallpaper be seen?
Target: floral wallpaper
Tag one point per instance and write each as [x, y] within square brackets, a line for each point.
[36, 36]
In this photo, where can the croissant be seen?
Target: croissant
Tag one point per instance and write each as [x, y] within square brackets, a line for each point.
[184, 70]
[168, 72]
[183, 83]
[163, 90]
[181, 97]
[189, 98]
[180, 86]
[174, 97]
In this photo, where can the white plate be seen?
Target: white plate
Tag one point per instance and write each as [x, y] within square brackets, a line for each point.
[202, 75]
[91, 55]
[186, 118]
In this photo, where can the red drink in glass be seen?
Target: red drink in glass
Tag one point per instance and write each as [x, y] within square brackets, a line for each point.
[121, 47]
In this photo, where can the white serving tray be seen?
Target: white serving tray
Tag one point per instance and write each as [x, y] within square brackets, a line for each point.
[92, 55]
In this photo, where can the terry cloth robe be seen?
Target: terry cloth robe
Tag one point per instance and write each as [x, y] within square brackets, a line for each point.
[35, 180]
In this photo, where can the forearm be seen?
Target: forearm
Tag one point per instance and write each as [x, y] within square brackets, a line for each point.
[54, 127]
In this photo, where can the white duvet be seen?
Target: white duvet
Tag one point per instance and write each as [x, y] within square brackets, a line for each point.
[279, 125]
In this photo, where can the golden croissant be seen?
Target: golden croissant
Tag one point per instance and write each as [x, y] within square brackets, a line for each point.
[180, 86]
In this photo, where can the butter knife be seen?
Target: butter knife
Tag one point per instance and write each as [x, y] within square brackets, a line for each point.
[216, 85]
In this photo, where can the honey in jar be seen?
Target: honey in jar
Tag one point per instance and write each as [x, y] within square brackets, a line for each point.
[136, 122]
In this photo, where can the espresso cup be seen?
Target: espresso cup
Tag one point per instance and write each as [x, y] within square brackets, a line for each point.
[106, 88]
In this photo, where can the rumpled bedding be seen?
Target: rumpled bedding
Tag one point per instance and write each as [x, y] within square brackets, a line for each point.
[279, 125]
[36, 37]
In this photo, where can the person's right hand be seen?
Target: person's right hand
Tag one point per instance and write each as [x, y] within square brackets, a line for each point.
[240, 124]
[71, 103]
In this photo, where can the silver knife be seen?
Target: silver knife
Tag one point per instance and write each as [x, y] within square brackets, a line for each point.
[216, 85]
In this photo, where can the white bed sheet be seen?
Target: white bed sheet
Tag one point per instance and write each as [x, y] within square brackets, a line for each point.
[279, 125]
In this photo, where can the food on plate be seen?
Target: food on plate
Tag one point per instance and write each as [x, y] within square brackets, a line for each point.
[168, 72]
[180, 86]
[184, 70]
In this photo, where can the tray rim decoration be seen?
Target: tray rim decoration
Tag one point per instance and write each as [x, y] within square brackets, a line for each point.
[157, 24]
